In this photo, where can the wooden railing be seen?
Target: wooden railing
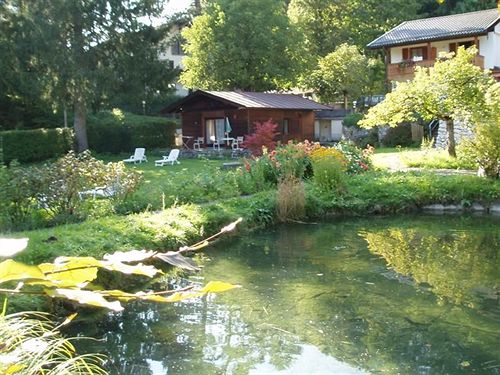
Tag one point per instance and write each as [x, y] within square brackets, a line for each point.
[404, 70]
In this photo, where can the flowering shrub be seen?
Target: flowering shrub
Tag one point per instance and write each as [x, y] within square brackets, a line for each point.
[329, 166]
[263, 138]
[358, 160]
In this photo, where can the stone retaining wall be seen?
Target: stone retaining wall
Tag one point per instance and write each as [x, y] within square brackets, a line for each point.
[461, 131]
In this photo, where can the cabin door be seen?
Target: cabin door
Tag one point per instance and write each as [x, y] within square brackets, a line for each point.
[214, 129]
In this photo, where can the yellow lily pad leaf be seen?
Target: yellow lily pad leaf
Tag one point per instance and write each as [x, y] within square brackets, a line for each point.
[137, 269]
[11, 270]
[217, 287]
[72, 273]
[11, 246]
[85, 297]
[129, 256]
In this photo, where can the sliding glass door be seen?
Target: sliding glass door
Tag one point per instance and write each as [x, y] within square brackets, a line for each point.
[214, 129]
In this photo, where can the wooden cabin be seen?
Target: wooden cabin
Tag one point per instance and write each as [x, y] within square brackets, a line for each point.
[207, 113]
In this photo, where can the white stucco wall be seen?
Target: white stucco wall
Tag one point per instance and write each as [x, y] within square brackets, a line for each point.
[489, 47]
[177, 60]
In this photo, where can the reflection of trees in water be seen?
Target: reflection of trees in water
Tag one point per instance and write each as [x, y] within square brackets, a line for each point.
[318, 285]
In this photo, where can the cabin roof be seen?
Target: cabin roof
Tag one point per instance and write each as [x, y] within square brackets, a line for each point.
[245, 99]
[439, 28]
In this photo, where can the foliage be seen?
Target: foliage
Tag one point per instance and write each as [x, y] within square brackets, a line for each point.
[82, 53]
[454, 89]
[54, 188]
[115, 132]
[358, 160]
[27, 146]
[329, 167]
[398, 136]
[341, 74]
[247, 45]
[484, 148]
[291, 199]
[351, 120]
[326, 24]
[264, 136]
[432, 159]
[33, 345]
[71, 278]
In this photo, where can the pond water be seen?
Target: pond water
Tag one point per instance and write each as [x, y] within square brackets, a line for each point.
[404, 295]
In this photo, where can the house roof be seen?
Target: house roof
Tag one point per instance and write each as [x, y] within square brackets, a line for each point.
[439, 28]
[245, 99]
[333, 113]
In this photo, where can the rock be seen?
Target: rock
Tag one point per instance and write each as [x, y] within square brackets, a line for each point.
[495, 208]
[434, 207]
[477, 207]
[452, 207]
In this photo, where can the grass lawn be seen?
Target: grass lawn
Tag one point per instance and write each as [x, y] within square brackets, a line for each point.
[393, 158]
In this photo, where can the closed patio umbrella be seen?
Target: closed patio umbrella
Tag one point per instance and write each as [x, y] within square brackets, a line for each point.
[227, 126]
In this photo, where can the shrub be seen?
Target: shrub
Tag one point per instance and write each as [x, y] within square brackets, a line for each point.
[352, 119]
[115, 132]
[50, 192]
[329, 166]
[358, 160]
[27, 146]
[263, 137]
[291, 201]
[398, 136]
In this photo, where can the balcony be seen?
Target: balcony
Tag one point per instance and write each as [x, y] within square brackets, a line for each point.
[404, 70]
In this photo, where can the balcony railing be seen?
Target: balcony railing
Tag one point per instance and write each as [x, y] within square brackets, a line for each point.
[404, 70]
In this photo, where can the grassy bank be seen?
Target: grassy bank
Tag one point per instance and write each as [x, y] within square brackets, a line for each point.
[167, 229]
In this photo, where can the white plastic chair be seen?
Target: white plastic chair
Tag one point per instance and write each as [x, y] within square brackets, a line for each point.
[216, 144]
[170, 159]
[197, 143]
[139, 156]
[99, 191]
[237, 143]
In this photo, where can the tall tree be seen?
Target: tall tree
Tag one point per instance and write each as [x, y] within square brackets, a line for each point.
[75, 44]
[246, 45]
[342, 74]
[454, 89]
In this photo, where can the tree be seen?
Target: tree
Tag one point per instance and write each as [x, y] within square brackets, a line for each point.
[341, 74]
[75, 48]
[246, 45]
[454, 89]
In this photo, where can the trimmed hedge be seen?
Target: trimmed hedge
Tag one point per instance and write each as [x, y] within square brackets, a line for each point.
[28, 146]
[115, 132]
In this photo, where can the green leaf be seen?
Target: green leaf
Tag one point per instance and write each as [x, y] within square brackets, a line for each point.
[85, 297]
[12, 270]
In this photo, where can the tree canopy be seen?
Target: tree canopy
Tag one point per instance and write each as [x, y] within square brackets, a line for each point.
[454, 89]
[246, 45]
[81, 53]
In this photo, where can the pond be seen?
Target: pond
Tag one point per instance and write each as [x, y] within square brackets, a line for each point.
[403, 295]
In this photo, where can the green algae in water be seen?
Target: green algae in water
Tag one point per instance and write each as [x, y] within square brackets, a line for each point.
[404, 295]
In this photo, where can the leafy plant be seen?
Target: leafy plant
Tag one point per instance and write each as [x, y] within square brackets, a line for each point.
[329, 166]
[358, 160]
[263, 137]
[71, 278]
[291, 200]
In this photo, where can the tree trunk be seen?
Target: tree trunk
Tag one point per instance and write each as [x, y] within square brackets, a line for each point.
[80, 124]
[450, 129]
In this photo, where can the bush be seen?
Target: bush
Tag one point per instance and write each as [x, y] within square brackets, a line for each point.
[37, 196]
[115, 132]
[263, 137]
[28, 146]
[398, 136]
[358, 160]
[329, 166]
[352, 119]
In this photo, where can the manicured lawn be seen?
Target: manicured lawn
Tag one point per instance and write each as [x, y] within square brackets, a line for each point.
[392, 158]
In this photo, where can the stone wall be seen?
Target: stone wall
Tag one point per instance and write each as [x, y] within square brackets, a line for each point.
[461, 131]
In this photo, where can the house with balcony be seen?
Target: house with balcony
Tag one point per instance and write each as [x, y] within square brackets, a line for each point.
[419, 42]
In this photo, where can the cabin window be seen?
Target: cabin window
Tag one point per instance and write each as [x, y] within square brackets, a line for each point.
[417, 54]
[285, 126]
[214, 129]
[466, 44]
[176, 47]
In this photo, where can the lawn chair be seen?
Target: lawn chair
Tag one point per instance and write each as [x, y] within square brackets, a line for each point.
[139, 156]
[99, 191]
[170, 159]
[237, 143]
[197, 143]
[216, 144]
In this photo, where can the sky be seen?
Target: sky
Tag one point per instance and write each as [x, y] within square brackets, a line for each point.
[171, 7]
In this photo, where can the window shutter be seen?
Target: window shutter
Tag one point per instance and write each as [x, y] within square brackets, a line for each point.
[425, 53]
[433, 53]
[453, 47]
[406, 53]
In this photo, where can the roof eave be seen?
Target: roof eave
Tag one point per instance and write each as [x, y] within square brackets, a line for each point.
[418, 41]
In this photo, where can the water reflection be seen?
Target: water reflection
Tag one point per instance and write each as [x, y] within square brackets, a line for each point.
[405, 295]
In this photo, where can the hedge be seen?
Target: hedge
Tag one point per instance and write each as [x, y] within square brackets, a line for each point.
[115, 132]
[28, 146]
